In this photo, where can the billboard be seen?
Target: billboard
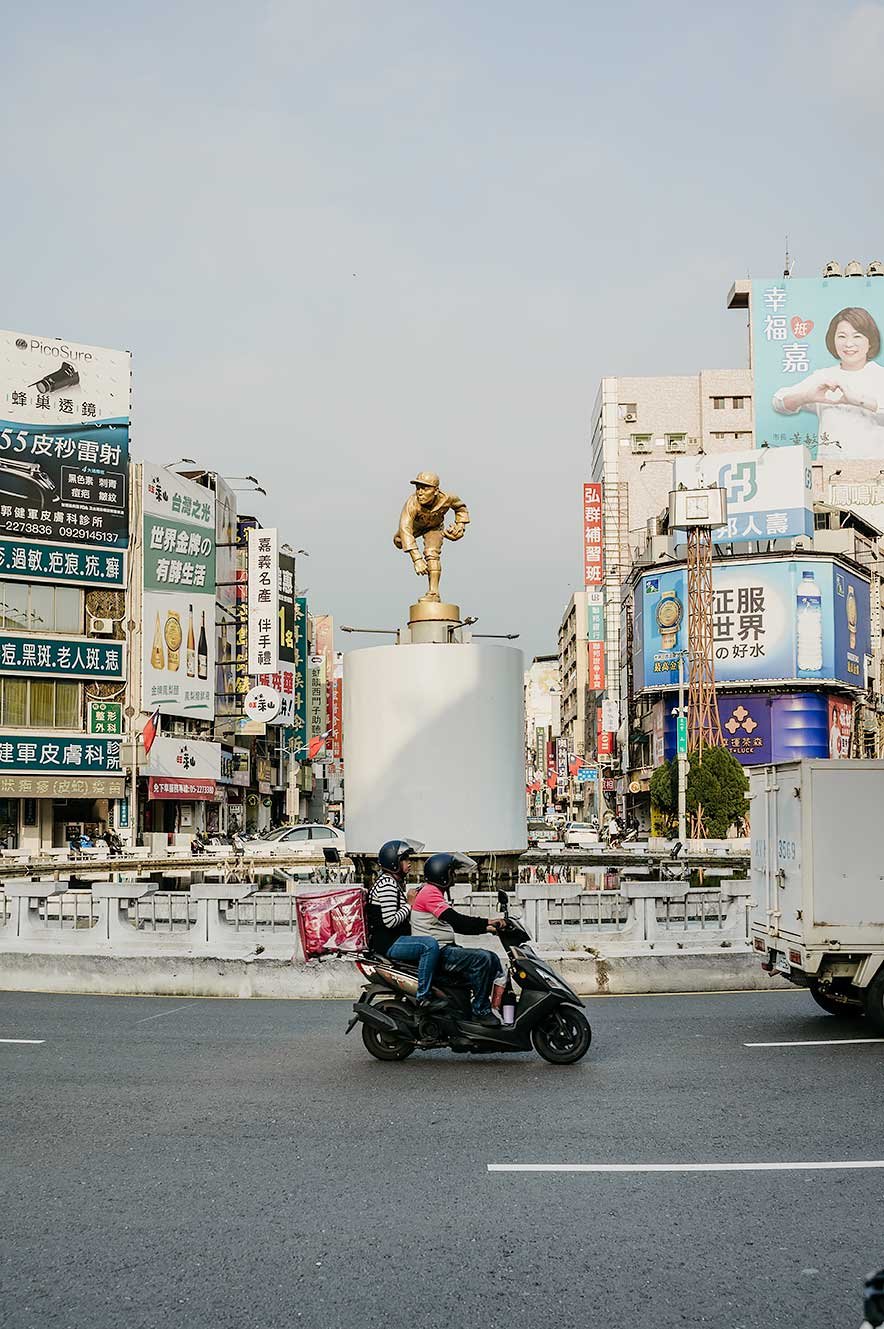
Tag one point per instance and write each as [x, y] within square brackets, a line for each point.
[64, 440]
[263, 546]
[840, 728]
[817, 365]
[593, 555]
[759, 728]
[225, 598]
[769, 492]
[178, 605]
[774, 620]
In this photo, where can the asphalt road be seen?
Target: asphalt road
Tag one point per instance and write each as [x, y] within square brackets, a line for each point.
[166, 1162]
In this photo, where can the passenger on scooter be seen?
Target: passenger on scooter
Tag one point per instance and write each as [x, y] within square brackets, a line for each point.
[433, 916]
[388, 914]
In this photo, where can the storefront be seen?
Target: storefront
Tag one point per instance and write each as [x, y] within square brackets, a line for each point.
[54, 786]
[183, 782]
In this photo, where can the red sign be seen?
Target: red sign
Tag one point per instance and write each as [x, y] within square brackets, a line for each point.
[840, 727]
[552, 770]
[593, 555]
[337, 720]
[604, 739]
[189, 791]
[596, 679]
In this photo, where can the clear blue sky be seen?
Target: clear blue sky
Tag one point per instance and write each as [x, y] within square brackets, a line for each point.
[348, 240]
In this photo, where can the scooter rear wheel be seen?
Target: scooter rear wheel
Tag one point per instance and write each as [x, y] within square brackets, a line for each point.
[384, 1045]
[564, 1037]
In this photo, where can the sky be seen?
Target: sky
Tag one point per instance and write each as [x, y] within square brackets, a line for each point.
[346, 241]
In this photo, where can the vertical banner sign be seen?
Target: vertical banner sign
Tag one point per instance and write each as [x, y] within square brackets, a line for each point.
[178, 604]
[561, 766]
[324, 645]
[243, 683]
[595, 615]
[263, 601]
[596, 669]
[593, 556]
[225, 599]
[283, 681]
[64, 441]
[604, 739]
[338, 707]
[316, 712]
[299, 697]
[552, 772]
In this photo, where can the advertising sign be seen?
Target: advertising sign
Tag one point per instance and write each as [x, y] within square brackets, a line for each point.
[769, 492]
[283, 680]
[317, 713]
[183, 790]
[561, 766]
[337, 724]
[774, 620]
[604, 739]
[262, 704]
[818, 369]
[595, 615]
[593, 554]
[194, 758]
[225, 598]
[40, 562]
[105, 717]
[298, 722]
[242, 766]
[840, 728]
[263, 601]
[178, 608]
[596, 666]
[745, 727]
[73, 657]
[587, 775]
[64, 440]
[68, 756]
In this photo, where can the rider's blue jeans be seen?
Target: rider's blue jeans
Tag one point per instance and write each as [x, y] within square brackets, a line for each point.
[422, 951]
[479, 968]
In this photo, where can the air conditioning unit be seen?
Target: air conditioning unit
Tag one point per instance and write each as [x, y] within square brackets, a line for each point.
[631, 417]
[641, 445]
[101, 627]
[676, 444]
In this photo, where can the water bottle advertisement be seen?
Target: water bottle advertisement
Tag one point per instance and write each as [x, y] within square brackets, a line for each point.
[774, 620]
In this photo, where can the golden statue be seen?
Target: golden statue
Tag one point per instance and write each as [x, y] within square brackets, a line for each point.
[424, 516]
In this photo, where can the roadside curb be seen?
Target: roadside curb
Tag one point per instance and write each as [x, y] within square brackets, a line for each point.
[207, 976]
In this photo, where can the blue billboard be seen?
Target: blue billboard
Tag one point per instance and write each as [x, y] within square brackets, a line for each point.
[774, 621]
[759, 728]
[818, 365]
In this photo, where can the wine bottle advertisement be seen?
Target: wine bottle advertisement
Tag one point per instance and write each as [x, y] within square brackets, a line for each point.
[773, 621]
[178, 601]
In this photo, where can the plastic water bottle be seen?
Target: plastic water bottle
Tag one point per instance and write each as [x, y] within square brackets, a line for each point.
[809, 625]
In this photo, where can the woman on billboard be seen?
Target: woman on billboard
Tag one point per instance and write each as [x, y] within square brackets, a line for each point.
[848, 400]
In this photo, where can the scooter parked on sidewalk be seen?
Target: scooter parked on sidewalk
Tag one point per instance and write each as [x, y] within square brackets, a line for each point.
[536, 1008]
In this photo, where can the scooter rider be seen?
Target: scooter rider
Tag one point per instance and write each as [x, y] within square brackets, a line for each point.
[433, 916]
[388, 914]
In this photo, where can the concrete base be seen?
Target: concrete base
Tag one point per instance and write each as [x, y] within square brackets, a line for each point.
[188, 976]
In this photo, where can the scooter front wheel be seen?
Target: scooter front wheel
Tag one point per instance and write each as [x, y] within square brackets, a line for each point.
[564, 1037]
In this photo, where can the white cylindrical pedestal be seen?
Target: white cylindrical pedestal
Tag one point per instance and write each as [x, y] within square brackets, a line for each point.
[434, 748]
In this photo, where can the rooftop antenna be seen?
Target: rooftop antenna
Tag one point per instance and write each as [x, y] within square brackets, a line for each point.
[789, 264]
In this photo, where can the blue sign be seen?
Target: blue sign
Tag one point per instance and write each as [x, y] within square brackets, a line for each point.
[818, 365]
[769, 492]
[42, 562]
[27, 753]
[774, 620]
[759, 729]
[587, 775]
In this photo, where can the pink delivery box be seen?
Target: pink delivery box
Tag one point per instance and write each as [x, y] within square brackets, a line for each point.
[331, 921]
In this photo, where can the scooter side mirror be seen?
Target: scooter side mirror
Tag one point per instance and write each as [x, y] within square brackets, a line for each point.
[503, 899]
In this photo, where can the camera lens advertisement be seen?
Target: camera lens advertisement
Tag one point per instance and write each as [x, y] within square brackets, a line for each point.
[64, 440]
[178, 605]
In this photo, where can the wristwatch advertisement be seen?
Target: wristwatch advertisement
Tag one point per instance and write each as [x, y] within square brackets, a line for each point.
[669, 613]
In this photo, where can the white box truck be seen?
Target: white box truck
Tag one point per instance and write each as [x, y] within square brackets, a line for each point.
[818, 880]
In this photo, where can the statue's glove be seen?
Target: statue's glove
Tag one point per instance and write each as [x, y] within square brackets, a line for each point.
[420, 563]
[455, 532]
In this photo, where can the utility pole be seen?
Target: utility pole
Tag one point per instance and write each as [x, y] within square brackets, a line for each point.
[681, 745]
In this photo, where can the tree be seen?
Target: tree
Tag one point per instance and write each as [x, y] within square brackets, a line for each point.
[717, 782]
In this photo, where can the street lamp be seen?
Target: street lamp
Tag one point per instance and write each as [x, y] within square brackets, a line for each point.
[182, 461]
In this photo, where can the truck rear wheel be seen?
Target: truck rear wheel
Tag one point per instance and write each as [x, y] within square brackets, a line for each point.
[834, 1004]
[874, 1002]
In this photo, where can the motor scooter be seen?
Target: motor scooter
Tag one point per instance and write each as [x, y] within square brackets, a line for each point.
[546, 1013]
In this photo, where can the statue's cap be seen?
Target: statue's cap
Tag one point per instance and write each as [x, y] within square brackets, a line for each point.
[427, 478]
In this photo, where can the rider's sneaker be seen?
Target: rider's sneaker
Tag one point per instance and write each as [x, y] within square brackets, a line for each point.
[488, 1021]
[430, 1004]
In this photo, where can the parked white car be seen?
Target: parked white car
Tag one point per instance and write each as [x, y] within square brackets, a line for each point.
[307, 840]
[580, 835]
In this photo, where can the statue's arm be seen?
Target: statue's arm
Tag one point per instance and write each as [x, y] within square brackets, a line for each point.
[406, 540]
[461, 517]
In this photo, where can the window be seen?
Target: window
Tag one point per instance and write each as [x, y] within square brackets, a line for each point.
[32, 703]
[30, 606]
[323, 833]
[641, 442]
[739, 403]
[676, 442]
[302, 833]
[718, 403]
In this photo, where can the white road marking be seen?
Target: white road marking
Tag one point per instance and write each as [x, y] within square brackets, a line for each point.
[814, 1043]
[852, 1165]
[22, 1040]
[159, 1015]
